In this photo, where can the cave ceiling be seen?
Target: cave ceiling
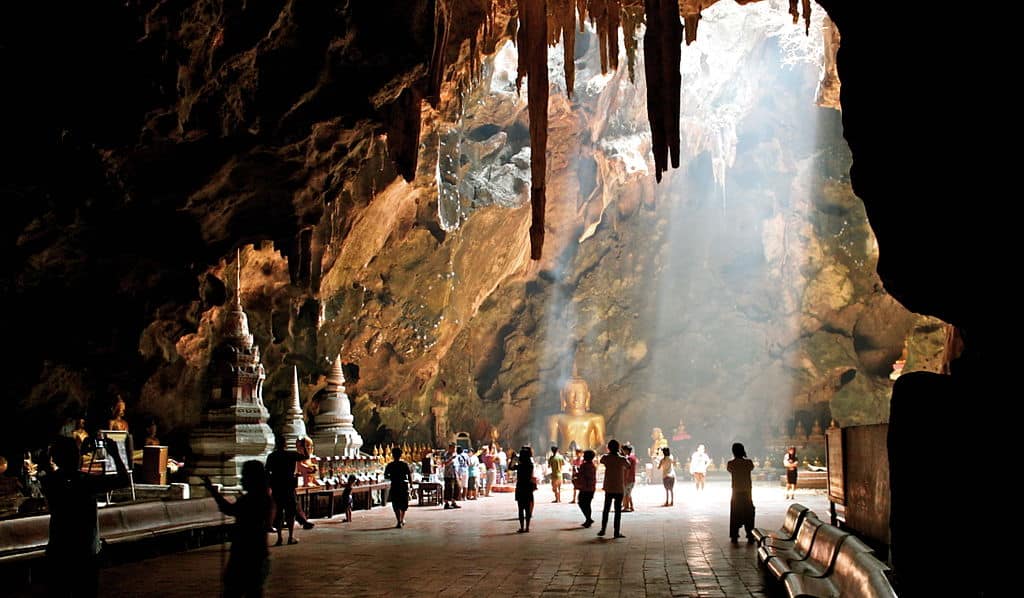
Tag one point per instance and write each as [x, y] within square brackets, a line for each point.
[337, 144]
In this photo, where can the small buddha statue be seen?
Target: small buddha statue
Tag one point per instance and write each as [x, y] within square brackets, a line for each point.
[801, 431]
[658, 442]
[79, 433]
[576, 424]
[117, 420]
[816, 429]
[680, 433]
[307, 468]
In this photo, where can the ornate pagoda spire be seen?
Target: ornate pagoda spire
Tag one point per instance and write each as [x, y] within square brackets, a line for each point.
[294, 427]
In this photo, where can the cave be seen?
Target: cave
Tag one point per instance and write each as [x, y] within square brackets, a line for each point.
[456, 211]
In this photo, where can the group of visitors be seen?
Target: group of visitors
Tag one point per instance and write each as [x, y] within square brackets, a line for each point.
[619, 478]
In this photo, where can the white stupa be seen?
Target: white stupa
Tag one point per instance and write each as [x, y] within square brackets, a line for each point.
[333, 433]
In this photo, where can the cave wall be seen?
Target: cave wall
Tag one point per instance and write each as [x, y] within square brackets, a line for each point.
[199, 135]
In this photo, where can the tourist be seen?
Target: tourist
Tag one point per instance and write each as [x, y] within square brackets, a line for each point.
[462, 472]
[280, 467]
[427, 465]
[614, 486]
[401, 477]
[253, 511]
[451, 484]
[502, 465]
[631, 464]
[490, 469]
[588, 485]
[667, 465]
[473, 465]
[526, 485]
[699, 462]
[346, 497]
[74, 542]
[577, 460]
[791, 462]
[741, 508]
[556, 463]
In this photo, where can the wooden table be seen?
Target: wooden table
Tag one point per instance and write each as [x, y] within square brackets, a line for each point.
[429, 493]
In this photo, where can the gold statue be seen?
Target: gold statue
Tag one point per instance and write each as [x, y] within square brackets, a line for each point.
[576, 423]
[117, 420]
[658, 442]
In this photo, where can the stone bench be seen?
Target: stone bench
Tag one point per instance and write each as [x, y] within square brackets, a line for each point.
[794, 517]
[26, 537]
[854, 572]
[824, 561]
[791, 550]
[149, 520]
[817, 561]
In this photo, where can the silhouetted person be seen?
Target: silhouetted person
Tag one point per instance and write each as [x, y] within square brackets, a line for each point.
[281, 472]
[587, 481]
[741, 509]
[74, 545]
[398, 472]
[253, 511]
[614, 485]
[526, 484]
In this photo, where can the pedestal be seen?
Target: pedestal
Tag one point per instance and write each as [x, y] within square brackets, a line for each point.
[154, 465]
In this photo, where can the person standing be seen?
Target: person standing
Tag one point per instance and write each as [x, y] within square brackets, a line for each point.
[614, 486]
[587, 480]
[699, 462]
[791, 462]
[526, 484]
[576, 462]
[281, 471]
[631, 464]
[556, 463]
[741, 508]
[490, 469]
[451, 483]
[74, 544]
[249, 562]
[401, 477]
[668, 475]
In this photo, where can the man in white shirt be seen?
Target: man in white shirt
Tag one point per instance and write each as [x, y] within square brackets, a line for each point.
[699, 462]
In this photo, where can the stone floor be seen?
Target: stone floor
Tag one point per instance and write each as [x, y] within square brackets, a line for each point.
[475, 551]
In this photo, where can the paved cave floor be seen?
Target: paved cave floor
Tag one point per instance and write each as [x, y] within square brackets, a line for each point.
[475, 551]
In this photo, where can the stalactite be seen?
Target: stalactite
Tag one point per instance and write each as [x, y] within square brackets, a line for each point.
[661, 66]
[794, 11]
[562, 26]
[533, 64]
[403, 127]
[605, 14]
[435, 75]
[689, 10]
[807, 16]
[632, 18]
[581, 13]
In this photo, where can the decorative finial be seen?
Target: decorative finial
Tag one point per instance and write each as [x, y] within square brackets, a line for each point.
[238, 277]
[575, 370]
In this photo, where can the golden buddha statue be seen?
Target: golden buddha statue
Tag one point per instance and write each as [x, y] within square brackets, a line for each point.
[117, 420]
[576, 423]
[658, 442]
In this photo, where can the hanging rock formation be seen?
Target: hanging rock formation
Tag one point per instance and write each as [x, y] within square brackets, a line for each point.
[533, 64]
[661, 65]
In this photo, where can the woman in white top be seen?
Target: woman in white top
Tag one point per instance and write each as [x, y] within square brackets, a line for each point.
[668, 475]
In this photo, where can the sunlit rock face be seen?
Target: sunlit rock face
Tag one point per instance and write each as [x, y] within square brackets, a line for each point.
[738, 292]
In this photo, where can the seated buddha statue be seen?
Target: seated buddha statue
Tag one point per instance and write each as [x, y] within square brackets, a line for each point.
[658, 442]
[117, 420]
[576, 424]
